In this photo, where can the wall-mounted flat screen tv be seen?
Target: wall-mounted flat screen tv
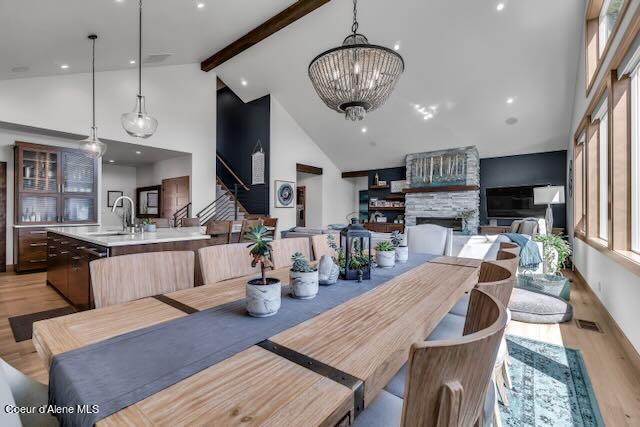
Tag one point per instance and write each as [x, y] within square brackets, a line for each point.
[513, 202]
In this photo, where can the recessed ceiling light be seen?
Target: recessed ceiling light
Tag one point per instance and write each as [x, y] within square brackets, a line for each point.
[364, 130]
[119, 1]
[396, 46]
[500, 7]
[111, 161]
[138, 152]
[243, 82]
[200, 5]
[417, 106]
[132, 62]
[64, 66]
[510, 100]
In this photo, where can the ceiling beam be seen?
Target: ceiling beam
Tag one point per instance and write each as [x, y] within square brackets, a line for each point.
[308, 169]
[288, 16]
[354, 174]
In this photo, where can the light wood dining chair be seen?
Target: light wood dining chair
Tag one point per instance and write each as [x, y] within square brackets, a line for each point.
[224, 262]
[190, 222]
[161, 222]
[119, 279]
[448, 383]
[283, 249]
[220, 231]
[248, 224]
[320, 245]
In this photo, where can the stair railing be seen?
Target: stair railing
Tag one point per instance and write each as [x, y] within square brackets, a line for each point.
[180, 214]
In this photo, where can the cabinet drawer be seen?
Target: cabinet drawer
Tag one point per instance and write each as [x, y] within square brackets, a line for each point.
[34, 264]
[33, 253]
[32, 235]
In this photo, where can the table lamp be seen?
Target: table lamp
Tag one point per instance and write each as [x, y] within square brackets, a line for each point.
[550, 195]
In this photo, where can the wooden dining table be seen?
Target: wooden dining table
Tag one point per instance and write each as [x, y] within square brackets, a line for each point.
[323, 371]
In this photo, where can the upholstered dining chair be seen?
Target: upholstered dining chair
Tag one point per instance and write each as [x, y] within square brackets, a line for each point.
[430, 239]
[448, 382]
[320, 245]
[20, 390]
[220, 231]
[190, 222]
[161, 222]
[119, 279]
[224, 262]
[247, 224]
[283, 249]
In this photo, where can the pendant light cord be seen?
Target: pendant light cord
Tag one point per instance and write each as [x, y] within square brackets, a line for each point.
[140, 49]
[354, 26]
[93, 81]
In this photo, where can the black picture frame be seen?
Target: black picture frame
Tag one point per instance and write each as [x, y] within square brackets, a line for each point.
[112, 195]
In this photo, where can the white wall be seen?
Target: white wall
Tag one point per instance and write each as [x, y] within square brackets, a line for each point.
[171, 168]
[116, 178]
[182, 98]
[314, 202]
[617, 287]
[290, 145]
[360, 183]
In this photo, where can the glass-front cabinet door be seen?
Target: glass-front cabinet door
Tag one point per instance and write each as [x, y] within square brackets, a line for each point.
[78, 209]
[35, 208]
[78, 173]
[39, 171]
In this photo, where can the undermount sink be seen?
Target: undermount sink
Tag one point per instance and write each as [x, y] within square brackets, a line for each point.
[109, 233]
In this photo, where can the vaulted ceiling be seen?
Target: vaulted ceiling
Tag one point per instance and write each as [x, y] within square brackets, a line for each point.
[464, 58]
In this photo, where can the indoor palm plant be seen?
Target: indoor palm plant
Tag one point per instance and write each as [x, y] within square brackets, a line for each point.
[263, 293]
[303, 278]
[385, 254]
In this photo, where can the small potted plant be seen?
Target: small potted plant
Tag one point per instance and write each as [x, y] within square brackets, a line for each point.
[149, 226]
[399, 242]
[385, 254]
[466, 216]
[303, 278]
[263, 293]
[555, 252]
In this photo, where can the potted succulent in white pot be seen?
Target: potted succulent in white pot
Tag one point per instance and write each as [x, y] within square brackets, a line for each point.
[263, 293]
[385, 254]
[303, 278]
[400, 243]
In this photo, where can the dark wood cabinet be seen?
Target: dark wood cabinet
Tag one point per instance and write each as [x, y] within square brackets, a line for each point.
[53, 186]
[383, 227]
[68, 268]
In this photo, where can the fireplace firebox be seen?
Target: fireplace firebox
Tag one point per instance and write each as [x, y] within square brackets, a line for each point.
[455, 223]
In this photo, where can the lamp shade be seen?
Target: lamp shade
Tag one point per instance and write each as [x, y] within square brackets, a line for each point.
[550, 195]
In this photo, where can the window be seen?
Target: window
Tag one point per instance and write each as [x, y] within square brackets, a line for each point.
[600, 116]
[635, 161]
[580, 182]
[606, 22]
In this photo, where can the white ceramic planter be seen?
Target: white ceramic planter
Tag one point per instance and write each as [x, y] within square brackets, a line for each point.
[303, 285]
[402, 253]
[150, 228]
[263, 300]
[550, 260]
[386, 259]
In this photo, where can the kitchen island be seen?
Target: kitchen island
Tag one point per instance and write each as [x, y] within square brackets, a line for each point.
[70, 250]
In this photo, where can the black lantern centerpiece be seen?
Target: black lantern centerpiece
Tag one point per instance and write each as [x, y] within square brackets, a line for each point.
[355, 244]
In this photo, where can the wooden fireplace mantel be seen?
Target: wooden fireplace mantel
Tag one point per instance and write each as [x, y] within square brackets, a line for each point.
[443, 189]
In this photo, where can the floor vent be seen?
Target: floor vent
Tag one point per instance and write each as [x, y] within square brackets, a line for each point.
[588, 325]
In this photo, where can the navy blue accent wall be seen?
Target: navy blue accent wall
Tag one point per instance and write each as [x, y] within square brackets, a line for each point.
[239, 126]
[528, 169]
[388, 174]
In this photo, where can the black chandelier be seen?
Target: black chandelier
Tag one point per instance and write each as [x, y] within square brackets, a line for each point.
[357, 77]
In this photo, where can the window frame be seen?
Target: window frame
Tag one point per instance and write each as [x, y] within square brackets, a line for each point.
[634, 244]
[595, 53]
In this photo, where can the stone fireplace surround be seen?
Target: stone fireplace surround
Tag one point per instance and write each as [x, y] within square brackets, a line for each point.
[446, 204]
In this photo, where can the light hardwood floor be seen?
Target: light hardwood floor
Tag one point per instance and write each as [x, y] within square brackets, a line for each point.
[615, 380]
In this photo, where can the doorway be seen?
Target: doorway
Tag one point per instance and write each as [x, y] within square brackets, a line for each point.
[301, 206]
[313, 209]
[175, 195]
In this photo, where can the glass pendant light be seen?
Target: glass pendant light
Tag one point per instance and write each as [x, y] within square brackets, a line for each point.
[92, 143]
[138, 123]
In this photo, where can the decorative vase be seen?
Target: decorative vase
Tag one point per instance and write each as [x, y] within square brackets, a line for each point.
[550, 260]
[386, 259]
[402, 253]
[304, 285]
[328, 271]
[150, 228]
[263, 300]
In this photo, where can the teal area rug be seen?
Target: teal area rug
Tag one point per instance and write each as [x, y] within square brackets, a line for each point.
[551, 387]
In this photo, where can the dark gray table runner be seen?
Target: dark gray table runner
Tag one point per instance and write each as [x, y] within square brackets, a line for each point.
[128, 368]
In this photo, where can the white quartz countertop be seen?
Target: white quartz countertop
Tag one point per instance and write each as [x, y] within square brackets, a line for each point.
[162, 235]
[57, 225]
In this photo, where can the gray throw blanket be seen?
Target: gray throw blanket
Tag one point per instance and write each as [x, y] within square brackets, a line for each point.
[529, 253]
